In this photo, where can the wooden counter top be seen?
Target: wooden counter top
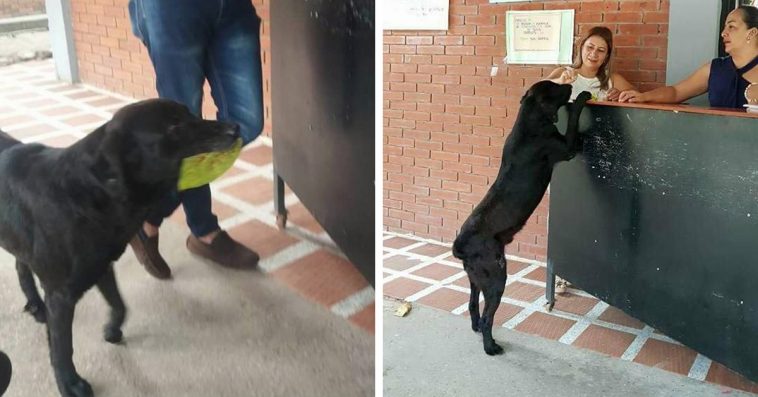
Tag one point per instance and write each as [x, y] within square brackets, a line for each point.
[681, 108]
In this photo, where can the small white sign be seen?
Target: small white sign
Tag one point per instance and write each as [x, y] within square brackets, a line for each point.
[537, 32]
[539, 37]
[416, 14]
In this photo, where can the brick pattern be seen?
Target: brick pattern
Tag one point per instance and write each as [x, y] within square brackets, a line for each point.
[446, 120]
[19, 8]
[110, 57]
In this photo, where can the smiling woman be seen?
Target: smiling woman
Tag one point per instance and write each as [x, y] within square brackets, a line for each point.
[591, 70]
[725, 79]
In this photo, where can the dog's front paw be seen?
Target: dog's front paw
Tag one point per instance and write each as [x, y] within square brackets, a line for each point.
[37, 310]
[582, 98]
[78, 388]
[493, 349]
[113, 335]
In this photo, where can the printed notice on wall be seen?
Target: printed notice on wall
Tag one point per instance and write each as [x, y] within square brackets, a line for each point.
[537, 32]
[539, 37]
[416, 14]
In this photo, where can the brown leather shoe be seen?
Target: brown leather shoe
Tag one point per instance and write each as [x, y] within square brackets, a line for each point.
[146, 250]
[224, 251]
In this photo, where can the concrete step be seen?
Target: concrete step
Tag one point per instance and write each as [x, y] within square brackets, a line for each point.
[30, 22]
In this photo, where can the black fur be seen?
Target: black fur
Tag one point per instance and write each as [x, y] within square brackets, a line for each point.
[531, 150]
[67, 214]
[6, 370]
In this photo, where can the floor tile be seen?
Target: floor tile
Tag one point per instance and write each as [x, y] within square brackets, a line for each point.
[504, 312]
[398, 242]
[523, 292]
[322, 277]
[616, 316]
[665, 355]
[365, 318]
[264, 239]
[83, 119]
[604, 340]
[401, 262]
[445, 299]
[255, 191]
[60, 141]
[576, 304]
[401, 288]
[300, 216]
[32, 130]
[722, 375]
[436, 271]
[545, 325]
[260, 155]
[431, 250]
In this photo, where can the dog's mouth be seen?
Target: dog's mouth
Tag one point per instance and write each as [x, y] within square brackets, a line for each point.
[201, 169]
[218, 138]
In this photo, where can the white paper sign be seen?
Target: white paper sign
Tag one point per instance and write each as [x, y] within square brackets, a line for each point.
[416, 14]
[539, 37]
[537, 32]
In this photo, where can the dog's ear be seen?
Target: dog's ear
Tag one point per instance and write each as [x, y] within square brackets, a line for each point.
[526, 94]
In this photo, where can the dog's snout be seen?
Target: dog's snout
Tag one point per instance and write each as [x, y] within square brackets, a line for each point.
[233, 130]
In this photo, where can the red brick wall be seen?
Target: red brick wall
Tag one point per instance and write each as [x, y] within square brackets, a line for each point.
[17, 8]
[446, 119]
[111, 57]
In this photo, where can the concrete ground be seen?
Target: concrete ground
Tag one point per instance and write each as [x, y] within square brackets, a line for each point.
[208, 332]
[431, 353]
[24, 45]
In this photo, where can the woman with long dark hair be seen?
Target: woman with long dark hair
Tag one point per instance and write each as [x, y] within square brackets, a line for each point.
[591, 70]
[725, 79]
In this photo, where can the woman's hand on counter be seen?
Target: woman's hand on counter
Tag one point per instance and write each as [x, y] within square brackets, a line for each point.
[613, 94]
[631, 96]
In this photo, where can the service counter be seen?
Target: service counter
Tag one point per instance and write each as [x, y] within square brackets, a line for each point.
[658, 216]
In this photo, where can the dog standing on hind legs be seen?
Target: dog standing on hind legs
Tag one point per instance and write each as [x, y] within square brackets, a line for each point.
[533, 147]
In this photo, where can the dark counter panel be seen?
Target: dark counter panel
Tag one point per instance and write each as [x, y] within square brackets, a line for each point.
[659, 217]
[322, 70]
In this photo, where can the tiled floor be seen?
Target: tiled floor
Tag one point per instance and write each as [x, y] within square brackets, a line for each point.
[425, 272]
[35, 107]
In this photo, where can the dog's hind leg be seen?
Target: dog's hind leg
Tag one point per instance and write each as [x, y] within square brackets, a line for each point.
[109, 289]
[492, 295]
[473, 307]
[60, 316]
[34, 304]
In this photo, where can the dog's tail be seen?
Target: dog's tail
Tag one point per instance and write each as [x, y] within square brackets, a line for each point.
[7, 141]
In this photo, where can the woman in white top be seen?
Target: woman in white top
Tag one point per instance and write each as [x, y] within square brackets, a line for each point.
[591, 70]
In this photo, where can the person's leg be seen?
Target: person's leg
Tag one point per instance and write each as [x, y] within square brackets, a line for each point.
[197, 208]
[233, 68]
[176, 34]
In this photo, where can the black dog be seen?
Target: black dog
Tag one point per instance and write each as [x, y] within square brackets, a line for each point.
[531, 150]
[67, 214]
[6, 369]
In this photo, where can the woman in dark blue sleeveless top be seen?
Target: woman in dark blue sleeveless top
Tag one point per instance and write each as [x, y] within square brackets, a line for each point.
[725, 79]
[726, 83]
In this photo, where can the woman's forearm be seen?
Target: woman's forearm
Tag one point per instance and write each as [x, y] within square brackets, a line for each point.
[665, 94]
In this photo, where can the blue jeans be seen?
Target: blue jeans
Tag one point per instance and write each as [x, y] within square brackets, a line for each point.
[189, 41]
